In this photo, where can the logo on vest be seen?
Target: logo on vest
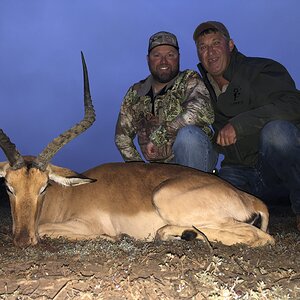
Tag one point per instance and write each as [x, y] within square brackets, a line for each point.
[236, 95]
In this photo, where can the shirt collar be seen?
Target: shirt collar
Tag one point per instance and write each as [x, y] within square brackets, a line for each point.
[147, 85]
[215, 86]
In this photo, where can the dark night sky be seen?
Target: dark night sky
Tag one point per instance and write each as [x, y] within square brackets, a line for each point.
[41, 87]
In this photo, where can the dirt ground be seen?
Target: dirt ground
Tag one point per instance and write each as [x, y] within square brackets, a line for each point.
[129, 269]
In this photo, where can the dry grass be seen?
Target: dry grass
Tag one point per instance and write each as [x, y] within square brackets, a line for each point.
[129, 269]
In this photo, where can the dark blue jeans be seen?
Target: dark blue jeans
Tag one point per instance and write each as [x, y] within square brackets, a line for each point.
[277, 173]
[193, 148]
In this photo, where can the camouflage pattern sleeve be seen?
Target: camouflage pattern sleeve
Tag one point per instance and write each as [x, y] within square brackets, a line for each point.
[125, 130]
[196, 110]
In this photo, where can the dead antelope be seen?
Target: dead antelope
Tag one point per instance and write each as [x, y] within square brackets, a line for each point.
[145, 201]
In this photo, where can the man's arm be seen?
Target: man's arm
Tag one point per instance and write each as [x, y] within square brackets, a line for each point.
[197, 108]
[125, 131]
[276, 98]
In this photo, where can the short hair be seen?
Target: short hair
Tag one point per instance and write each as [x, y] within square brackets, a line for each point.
[214, 30]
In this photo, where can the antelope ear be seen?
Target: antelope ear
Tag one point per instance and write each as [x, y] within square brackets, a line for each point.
[67, 177]
[3, 167]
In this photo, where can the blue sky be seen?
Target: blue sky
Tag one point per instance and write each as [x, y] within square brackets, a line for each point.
[41, 87]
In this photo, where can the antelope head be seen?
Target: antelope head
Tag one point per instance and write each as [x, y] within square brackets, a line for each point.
[27, 177]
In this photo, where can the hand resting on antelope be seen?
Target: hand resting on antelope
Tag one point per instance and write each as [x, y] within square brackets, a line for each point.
[145, 201]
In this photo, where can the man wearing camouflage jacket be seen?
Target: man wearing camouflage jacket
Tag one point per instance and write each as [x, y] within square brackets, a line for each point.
[170, 112]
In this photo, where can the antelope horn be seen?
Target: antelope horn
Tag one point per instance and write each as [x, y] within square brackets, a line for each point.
[46, 155]
[13, 156]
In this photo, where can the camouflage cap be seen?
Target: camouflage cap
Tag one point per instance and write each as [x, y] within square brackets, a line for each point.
[210, 25]
[162, 38]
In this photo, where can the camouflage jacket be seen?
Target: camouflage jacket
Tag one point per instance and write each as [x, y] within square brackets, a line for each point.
[184, 101]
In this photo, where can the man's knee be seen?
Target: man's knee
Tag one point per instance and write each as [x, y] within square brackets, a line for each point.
[193, 148]
[279, 135]
[190, 135]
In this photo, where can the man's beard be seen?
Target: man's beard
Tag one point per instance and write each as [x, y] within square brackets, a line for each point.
[164, 77]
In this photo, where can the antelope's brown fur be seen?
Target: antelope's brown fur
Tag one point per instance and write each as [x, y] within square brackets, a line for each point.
[153, 200]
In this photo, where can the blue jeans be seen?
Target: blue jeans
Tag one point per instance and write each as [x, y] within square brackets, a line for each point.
[277, 173]
[193, 148]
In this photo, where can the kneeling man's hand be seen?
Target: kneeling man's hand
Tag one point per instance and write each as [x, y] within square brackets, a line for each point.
[226, 136]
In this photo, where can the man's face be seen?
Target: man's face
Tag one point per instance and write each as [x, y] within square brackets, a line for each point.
[214, 52]
[163, 62]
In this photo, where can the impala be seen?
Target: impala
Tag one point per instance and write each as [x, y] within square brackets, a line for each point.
[145, 201]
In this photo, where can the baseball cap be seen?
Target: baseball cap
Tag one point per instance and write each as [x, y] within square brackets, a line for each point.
[162, 38]
[210, 25]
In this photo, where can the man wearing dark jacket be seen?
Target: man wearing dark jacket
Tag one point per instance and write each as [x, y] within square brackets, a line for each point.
[257, 117]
